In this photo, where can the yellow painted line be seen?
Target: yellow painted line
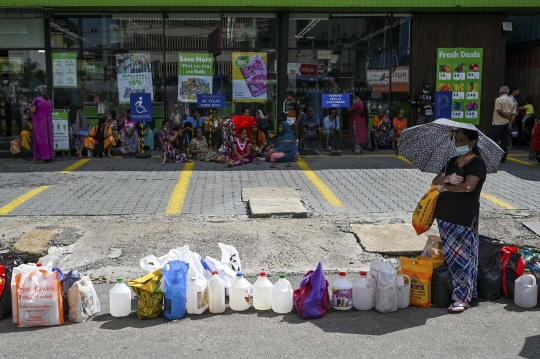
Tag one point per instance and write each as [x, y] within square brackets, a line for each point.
[20, 200]
[179, 192]
[531, 163]
[499, 202]
[519, 155]
[74, 166]
[320, 185]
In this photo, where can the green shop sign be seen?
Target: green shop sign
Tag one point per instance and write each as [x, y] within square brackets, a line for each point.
[195, 64]
[60, 130]
[459, 70]
[64, 66]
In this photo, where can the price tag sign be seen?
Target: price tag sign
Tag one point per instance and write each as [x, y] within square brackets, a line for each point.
[458, 95]
[473, 75]
[471, 114]
[472, 95]
[459, 76]
[445, 76]
[457, 114]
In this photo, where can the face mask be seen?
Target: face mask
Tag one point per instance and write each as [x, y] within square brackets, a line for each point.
[5, 81]
[463, 150]
[425, 91]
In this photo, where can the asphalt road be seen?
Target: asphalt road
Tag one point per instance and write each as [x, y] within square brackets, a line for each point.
[488, 330]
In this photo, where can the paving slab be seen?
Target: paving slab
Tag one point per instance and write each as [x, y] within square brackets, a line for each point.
[391, 239]
[34, 243]
[533, 226]
[269, 193]
[264, 208]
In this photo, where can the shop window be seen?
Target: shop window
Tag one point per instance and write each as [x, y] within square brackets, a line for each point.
[308, 31]
[22, 33]
[136, 31]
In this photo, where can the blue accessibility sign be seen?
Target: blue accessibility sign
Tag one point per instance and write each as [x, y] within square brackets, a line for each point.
[210, 101]
[337, 100]
[140, 105]
[443, 104]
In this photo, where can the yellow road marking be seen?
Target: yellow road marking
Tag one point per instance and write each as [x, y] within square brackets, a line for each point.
[20, 200]
[499, 202]
[534, 164]
[518, 155]
[74, 166]
[320, 185]
[179, 192]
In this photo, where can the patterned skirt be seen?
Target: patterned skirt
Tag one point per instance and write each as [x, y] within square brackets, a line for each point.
[460, 246]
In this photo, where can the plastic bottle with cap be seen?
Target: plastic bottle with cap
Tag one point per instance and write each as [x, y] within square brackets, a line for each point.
[342, 298]
[526, 290]
[239, 293]
[262, 293]
[197, 295]
[216, 294]
[282, 296]
[362, 293]
[403, 289]
[120, 299]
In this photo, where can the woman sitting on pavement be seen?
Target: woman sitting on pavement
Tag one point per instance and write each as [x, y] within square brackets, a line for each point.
[285, 149]
[100, 139]
[27, 128]
[172, 149]
[200, 150]
[457, 211]
[264, 123]
[130, 141]
[126, 121]
[163, 133]
[242, 151]
[399, 123]
[383, 134]
[213, 128]
[258, 140]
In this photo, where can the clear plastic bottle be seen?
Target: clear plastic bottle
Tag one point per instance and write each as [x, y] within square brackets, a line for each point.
[120, 299]
[197, 295]
[239, 293]
[262, 293]
[362, 293]
[216, 294]
[342, 293]
[282, 296]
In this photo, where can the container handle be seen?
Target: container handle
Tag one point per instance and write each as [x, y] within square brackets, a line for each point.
[404, 275]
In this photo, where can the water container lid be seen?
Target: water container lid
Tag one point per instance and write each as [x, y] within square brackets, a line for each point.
[282, 275]
[400, 271]
[526, 251]
[363, 273]
[238, 274]
[39, 265]
[215, 272]
[526, 271]
[119, 280]
[262, 274]
[342, 274]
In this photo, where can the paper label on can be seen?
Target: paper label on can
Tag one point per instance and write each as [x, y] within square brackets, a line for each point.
[342, 297]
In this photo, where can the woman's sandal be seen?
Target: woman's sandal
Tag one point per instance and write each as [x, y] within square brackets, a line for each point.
[288, 165]
[273, 165]
[456, 308]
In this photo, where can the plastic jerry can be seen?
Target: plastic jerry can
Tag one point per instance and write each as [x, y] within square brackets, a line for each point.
[216, 294]
[239, 293]
[262, 293]
[526, 292]
[197, 295]
[403, 290]
[342, 298]
[362, 293]
[120, 299]
[282, 296]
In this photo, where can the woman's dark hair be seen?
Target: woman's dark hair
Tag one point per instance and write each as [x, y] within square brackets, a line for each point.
[113, 113]
[164, 122]
[471, 136]
[199, 128]
[513, 89]
[45, 96]
[242, 130]
[177, 127]
[529, 100]
[358, 94]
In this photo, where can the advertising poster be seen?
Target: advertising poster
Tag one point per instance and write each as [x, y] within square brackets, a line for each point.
[91, 67]
[195, 75]
[379, 80]
[60, 130]
[459, 70]
[64, 66]
[134, 75]
[250, 78]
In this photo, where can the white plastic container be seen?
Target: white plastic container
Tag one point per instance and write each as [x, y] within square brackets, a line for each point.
[239, 293]
[282, 296]
[526, 292]
[342, 297]
[120, 299]
[216, 294]
[403, 290]
[262, 293]
[362, 293]
[197, 295]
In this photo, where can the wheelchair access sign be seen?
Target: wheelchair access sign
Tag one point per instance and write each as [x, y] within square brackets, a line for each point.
[140, 105]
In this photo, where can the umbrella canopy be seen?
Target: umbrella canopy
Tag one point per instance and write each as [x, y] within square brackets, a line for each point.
[430, 146]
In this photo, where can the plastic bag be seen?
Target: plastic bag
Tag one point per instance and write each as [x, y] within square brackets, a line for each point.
[489, 283]
[433, 247]
[436, 260]
[7, 263]
[383, 279]
[175, 278]
[150, 294]
[225, 272]
[69, 279]
[422, 219]
[22, 269]
[83, 300]
[152, 263]
[420, 272]
[231, 257]
[441, 287]
[311, 300]
[512, 265]
[39, 299]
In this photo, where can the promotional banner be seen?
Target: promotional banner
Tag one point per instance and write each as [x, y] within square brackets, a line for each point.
[250, 78]
[64, 66]
[379, 79]
[60, 130]
[211, 101]
[134, 75]
[195, 75]
[338, 100]
[459, 70]
[91, 67]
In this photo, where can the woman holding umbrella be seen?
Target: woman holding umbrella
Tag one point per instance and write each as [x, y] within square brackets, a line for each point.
[460, 183]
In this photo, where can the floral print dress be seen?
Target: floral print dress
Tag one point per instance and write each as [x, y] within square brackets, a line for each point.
[210, 155]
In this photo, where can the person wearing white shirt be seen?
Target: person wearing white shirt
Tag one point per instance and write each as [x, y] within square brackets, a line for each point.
[332, 124]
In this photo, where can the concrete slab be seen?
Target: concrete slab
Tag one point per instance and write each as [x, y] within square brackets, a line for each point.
[533, 226]
[264, 208]
[34, 243]
[269, 193]
[391, 239]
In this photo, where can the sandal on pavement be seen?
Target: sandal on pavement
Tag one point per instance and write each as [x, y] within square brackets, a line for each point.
[288, 165]
[272, 166]
[457, 308]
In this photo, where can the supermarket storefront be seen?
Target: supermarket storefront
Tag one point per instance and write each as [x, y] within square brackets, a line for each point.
[93, 59]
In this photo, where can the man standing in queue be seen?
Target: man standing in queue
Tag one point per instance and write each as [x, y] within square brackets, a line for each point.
[293, 113]
[423, 101]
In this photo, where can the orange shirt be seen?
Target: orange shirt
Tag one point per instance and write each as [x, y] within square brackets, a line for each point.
[399, 125]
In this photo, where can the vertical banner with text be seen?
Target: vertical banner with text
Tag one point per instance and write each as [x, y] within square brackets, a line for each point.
[60, 130]
[250, 77]
[459, 70]
[64, 66]
[195, 75]
[134, 71]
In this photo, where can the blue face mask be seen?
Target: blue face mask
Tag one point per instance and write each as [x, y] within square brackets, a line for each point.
[463, 150]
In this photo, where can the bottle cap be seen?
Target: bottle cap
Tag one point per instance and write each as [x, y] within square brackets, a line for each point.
[39, 265]
[363, 273]
[215, 272]
[342, 274]
[282, 275]
[119, 280]
[262, 274]
[238, 274]
[527, 271]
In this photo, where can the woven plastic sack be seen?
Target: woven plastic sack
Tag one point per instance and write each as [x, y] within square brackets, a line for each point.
[422, 219]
